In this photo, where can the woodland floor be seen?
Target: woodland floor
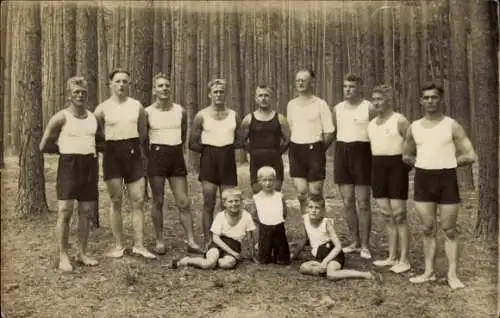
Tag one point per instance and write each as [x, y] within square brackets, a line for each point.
[31, 286]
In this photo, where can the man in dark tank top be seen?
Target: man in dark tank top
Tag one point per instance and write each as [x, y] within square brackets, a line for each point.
[266, 134]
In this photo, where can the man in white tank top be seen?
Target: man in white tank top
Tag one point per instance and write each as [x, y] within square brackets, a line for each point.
[352, 163]
[311, 126]
[167, 126]
[73, 129]
[124, 123]
[390, 175]
[215, 135]
[436, 144]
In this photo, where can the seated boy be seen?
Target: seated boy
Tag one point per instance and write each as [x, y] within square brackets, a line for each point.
[269, 209]
[229, 228]
[325, 245]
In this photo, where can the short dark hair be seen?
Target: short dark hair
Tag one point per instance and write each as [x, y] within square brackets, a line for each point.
[162, 76]
[351, 77]
[266, 87]
[385, 90]
[308, 70]
[317, 198]
[216, 81]
[116, 71]
[432, 85]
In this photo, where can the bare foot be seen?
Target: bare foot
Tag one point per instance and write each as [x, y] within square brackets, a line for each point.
[116, 252]
[64, 263]
[454, 282]
[183, 261]
[192, 247]
[423, 278]
[86, 260]
[351, 248]
[142, 251]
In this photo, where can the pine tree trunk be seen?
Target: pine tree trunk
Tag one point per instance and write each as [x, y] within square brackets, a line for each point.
[484, 21]
[191, 98]
[412, 76]
[9, 9]
[14, 79]
[158, 39]
[69, 37]
[102, 50]
[31, 182]
[459, 93]
[388, 45]
[3, 65]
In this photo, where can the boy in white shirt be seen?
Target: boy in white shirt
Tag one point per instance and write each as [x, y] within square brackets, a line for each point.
[229, 228]
[270, 211]
[325, 245]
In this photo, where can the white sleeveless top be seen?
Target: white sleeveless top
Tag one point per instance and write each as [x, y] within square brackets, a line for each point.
[317, 236]
[219, 133]
[385, 139]
[165, 126]
[435, 146]
[77, 134]
[120, 119]
[352, 123]
[309, 122]
[269, 208]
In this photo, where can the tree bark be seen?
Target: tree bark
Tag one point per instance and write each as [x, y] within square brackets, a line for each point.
[102, 50]
[31, 182]
[15, 78]
[3, 66]
[459, 93]
[484, 42]
[412, 101]
[191, 98]
[158, 39]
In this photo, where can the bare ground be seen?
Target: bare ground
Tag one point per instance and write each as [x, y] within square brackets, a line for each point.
[31, 286]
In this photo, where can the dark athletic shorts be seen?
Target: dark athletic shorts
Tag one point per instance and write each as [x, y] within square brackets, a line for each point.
[232, 243]
[265, 157]
[325, 249]
[218, 165]
[390, 177]
[166, 161]
[439, 186]
[352, 163]
[122, 159]
[77, 177]
[307, 161]
[273, 244]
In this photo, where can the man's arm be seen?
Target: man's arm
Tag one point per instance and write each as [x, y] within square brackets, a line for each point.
[285, 133]
[285, 208]
[142, 125]
[336, 241]
[184, 126]
[409, 148]
[195, 134]
[239, 141]
[51, 133]
[334, 121]
[403, 125]
[245, 130]
[327, 125]
[99, 135]
[466, 154]
[217, 240]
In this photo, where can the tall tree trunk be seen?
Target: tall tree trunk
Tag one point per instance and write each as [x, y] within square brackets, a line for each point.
[191, 65]
[9, 9]
[15, 78]
[413, 69]
[158, 39]
[388, 44]
[31, 182]
[484, 42]
[459, 93]
[102, 50]
[69, 41]
[167, 41]
[141, 51]
[3, 66]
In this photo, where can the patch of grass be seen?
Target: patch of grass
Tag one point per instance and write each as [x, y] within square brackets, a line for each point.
[132, 287]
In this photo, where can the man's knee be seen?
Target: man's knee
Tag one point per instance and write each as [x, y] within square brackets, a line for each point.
[450, 233]
[400, 216]
[65, 212]
[430, 230]
[227, 263]
[388, 218]
[302, 196]
[158, 201]
[183, 205]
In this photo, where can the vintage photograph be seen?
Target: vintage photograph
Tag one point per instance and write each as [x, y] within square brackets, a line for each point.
[250, 158]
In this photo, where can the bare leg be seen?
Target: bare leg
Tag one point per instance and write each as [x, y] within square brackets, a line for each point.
[364, 218]
[136, 195]
[84, 210]
[347, 194]
[448, 221]
[315, 187]
[311, 268]
[392, 233]
[158, 193]
[115, 188]
[180, 190]
[427, 213]
[399, 213]
[65, 209]
[207, 262]
[209, 198]
[302, 188]
[227, 262]
[334, 272]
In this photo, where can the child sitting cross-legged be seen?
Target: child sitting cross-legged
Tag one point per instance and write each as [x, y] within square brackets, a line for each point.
[229, 228]
[325, 245]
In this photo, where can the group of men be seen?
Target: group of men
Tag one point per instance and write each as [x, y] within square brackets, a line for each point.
[375, 148]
